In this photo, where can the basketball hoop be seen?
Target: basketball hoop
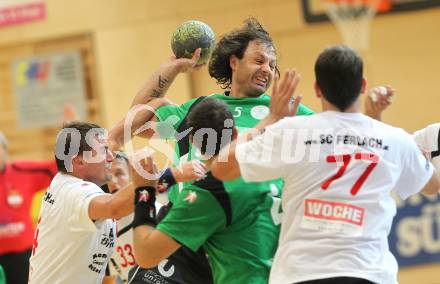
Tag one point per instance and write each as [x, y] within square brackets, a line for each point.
[353, 19]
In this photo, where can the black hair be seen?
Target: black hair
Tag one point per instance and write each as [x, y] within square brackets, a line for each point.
[339, 75]
[211, 124]
[235, 43]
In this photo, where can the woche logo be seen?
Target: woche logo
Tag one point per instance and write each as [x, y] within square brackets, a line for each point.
[335, 211]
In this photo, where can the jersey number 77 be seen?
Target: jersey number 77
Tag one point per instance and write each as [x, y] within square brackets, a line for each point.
[345, 159]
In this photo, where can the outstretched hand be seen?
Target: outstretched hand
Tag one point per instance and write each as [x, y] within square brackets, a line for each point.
[282, 102]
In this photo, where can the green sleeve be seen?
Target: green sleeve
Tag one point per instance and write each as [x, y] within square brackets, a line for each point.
[170, 117]
[2, 276]
[193, 218]
[303, 110]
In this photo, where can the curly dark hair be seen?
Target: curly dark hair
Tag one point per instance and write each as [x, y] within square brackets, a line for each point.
[235, 43]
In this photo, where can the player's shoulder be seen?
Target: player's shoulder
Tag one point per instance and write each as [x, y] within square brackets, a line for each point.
[206, 188]
[392, 134]
[218, 96]
[208, 184]
[190, 102]
[431, 131]
[296, 122]
[182, 106]
[210, 189]
[388, 129]
[73, 184]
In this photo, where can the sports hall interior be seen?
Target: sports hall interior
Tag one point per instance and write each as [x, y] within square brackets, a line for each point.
[123, 42]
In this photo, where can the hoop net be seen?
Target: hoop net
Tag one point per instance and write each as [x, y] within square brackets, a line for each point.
[353, 19]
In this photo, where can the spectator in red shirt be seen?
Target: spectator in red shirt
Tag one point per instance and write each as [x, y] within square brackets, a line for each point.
[19, 182]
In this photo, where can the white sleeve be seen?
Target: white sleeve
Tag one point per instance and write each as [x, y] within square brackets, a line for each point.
[261, 158]
[428, 138]
[78, 201]
[416, 170]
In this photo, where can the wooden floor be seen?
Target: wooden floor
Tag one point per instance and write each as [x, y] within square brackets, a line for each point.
[427, 274]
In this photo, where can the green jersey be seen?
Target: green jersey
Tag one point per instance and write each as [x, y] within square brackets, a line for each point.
[2, 276]
[247, 113]
[237, 224]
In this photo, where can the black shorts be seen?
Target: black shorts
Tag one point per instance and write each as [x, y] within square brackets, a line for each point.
[16, 266]
[338, 280]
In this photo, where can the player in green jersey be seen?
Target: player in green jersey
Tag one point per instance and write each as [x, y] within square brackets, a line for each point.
[243, 63]
[237, 228]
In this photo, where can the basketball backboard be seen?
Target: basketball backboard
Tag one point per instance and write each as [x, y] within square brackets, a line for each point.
[314, 11]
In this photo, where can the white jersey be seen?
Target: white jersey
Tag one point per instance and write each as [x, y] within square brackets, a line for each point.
[69, 248]
[339, 170]
[123, 258]
[429, 140]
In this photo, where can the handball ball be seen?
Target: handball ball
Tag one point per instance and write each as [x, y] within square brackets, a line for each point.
[191, 35]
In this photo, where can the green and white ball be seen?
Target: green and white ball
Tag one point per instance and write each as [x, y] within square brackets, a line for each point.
[191, 35]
